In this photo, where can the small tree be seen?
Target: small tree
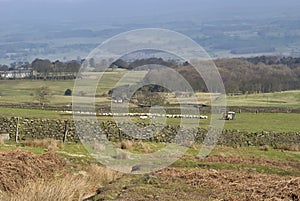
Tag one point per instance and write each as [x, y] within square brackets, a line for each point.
[42, 94]
[68, 92]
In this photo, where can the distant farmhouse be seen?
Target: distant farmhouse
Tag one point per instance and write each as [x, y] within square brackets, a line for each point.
[15, 74]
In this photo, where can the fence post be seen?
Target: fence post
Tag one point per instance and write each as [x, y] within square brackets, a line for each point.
[66, 131]
[17, 131]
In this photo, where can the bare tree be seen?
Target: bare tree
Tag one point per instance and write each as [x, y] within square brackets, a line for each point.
[42, 95]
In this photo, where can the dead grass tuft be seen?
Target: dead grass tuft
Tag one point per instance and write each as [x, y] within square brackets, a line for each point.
[70, 187]
[121, 155]
[194, 147]
[287, 147]
[29, 177]
[99, 175]
[49, 144]
[126, 144]
[139, 146]
[145, 148]
[18, 166]
[264, 148]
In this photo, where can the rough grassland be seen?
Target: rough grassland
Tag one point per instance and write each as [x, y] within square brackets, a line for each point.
[228, 173]
[48, 176]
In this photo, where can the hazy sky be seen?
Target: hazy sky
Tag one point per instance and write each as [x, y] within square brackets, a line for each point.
[47, 20]
[39, 10]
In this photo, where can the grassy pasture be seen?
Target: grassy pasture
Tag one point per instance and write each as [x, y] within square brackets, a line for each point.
[279, 122]
[31, 113]
[251, 122]
[276, 99]
[22, 92]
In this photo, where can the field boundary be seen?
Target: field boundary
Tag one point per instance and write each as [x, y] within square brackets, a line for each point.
[29, 129]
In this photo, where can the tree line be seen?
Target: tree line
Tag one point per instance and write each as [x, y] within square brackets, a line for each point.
[243, 76]
[45, 69]
[240, 75]
[41, 69]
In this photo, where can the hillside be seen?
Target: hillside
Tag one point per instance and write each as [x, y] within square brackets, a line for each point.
[240, 75]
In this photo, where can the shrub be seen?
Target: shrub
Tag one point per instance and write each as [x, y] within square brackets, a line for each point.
[68, 92]
[127, 144]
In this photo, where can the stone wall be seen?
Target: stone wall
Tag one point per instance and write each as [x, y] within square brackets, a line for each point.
[50, 128]
[38, 128]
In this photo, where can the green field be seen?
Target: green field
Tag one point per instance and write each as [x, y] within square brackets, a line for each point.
[290, 99]
[22, 92]
[281, 122]
[276, 99]
[277, 122]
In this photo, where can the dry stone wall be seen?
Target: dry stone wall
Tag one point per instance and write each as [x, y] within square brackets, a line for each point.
[56, 129]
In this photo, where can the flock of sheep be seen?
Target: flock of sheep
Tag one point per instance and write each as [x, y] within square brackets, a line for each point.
[142, 116]
[145, 116]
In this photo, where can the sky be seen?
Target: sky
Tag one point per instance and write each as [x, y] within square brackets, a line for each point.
[23, 20]
[63, 10]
